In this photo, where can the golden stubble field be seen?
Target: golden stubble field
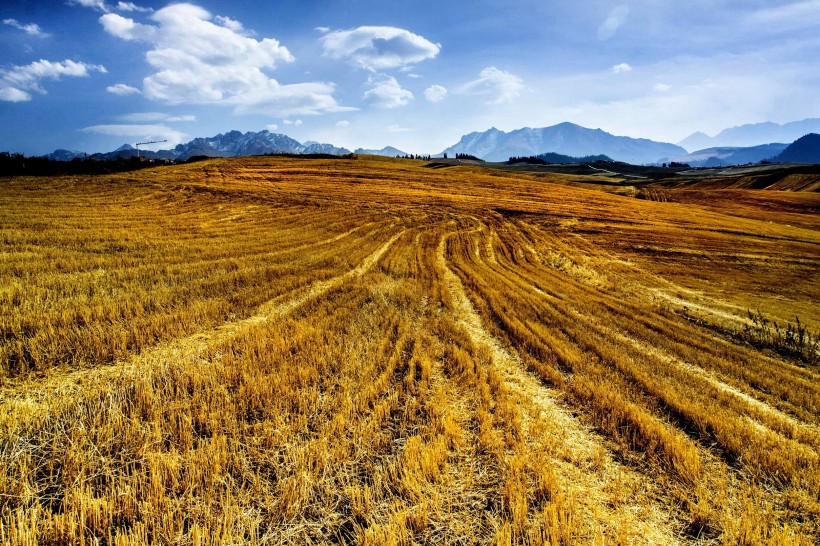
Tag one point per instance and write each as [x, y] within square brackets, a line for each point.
[287, 351]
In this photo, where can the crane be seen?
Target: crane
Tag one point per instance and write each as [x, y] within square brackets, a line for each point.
[147, 142]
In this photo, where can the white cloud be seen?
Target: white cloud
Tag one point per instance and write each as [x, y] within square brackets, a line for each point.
[202, 59]
[143, 117]
[323, 30]
[11, 94]
[19, 79]
[661, 87]
[32, 29]
[230, 24]
[122, 89]
[95, 4]
[294, 122]
[272, 127]
[617, 17]
[394, 128]
[343, 123]
[127, 29]
[275, 100]
[435, 93]
[131, 6]
[141, 132]
[387, 93]
[621, 68]
[501, 86]
[378, 48]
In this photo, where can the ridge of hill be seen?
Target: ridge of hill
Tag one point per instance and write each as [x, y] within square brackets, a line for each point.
[805, 149]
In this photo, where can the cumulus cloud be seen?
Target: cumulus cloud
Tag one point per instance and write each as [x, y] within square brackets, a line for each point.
[435, 93]
[621, 68]
[500, 86]
[127, 29]
[272, 127]
[378, 48]
[140, 132]
[122, 89]
[15, 83]
[343, 123]
[198, 58]
[617, 17]
[294, 122]
[387, 93]
[32, 29]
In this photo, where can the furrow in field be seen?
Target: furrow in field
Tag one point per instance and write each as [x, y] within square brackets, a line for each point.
[580, 446]
[667, 358]
[188, 347]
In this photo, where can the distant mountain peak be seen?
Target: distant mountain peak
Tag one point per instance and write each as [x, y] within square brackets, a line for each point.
[752, 134]
[229, 144]
[387, 151]
[564, 138]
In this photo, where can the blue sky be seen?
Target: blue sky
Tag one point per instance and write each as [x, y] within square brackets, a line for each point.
[91, 75]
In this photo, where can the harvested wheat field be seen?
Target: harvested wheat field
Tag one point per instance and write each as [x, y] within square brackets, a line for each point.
[368, 351]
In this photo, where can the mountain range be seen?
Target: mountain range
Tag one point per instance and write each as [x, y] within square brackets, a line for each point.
[729, 155]
[564, 138]
[752, 135]
[230, 144]
[495, 145]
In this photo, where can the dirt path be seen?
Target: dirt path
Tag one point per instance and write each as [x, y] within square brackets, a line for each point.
[580, 447]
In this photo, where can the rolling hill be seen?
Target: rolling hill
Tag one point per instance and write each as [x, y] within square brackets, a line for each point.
[723, 157]
[276, 350]
[806, 149]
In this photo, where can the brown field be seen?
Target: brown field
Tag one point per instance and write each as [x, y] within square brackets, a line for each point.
[288, 351]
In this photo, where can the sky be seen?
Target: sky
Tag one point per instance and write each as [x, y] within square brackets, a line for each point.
[91, 75]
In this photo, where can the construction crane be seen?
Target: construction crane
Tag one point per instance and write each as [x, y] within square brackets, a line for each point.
[147, 142]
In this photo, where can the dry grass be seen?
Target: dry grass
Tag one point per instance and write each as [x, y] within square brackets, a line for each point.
[284, 351]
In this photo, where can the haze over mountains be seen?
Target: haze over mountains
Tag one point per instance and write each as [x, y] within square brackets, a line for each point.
[564, 138]
[729, 155]
[752, 134]
[567, 139]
